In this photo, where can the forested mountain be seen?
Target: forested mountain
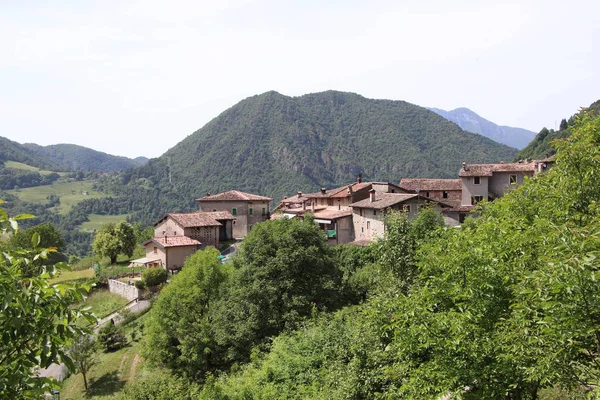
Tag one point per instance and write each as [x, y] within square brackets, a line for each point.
[471, 122]
[275, 145]
[540, 146]
[13, 151]
[74, 157]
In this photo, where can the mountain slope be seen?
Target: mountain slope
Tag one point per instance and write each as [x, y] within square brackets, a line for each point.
[541, 147]
[74, 157]
[471, 122]
[274, 145]
[13, 151]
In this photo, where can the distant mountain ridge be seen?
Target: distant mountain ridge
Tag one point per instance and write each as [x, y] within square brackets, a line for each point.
[64, 157]
[272, 144]
[472, 122]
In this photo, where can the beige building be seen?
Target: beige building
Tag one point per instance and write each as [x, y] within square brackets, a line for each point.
[170, 252]
[209, 228]
[448, 191]
[247, 209]
[491, 181]
[368, 215]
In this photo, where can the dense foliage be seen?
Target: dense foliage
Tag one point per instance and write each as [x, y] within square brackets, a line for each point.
[37, 320]
[154, 276]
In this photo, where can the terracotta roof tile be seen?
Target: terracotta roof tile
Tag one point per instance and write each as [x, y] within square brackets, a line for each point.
[489, 169]
[234, 195]
[218, 215]
[430, 184]
[384, 200]
[332, 214]
[173, 241]
[190, 220]
[355, 188]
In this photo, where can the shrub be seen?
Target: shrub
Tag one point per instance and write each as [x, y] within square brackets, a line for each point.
[154, 276]
[111, 337]
[140, 285]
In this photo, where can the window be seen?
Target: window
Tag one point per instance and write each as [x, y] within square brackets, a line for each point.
[374, 212]
[360, 211]
[406, 208]
[368, 224]
[214, 209]
[476, 180]
[445, 195]
[420, 207]
[264, 211]
[250, 211]
[426, 194]
[512, 179]
[234, 211]
[329, 202]
[476, 199]
[155, 250]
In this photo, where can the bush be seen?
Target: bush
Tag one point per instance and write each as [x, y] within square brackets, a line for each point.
[111, 337]
[154, 276]
[139, 285]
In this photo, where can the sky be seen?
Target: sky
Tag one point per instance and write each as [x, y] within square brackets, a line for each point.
[134, 78]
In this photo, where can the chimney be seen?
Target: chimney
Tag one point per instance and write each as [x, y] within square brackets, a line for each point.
[323, 191]
[350, 190]
[501, 161]
[359, 177]
[166, 239]
[372, 195]
[465, 166]
[299, 194]
[284, 197]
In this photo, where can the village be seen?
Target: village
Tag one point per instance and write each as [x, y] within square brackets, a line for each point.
[349, 214]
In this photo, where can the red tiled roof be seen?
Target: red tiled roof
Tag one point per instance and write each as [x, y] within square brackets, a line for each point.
[355, 188]
[430, 184]
[385, 200]
[191, 220]
[332, 214]
[489, 169]
[173, 241]
[234, 195]
[218, 215]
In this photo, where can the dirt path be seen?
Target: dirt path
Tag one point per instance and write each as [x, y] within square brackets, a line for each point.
[123, 360]
[134, 363]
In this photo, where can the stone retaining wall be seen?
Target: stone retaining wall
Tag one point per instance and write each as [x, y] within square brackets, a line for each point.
[130, 292]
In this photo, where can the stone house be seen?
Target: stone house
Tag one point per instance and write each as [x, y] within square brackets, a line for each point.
[448, 191]
[209, 228]
[170, 252]
[368, 215]
[246, 208]
[491, 181]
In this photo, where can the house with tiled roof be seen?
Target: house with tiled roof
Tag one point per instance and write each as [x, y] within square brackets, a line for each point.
[179, 235]
[445, 190]
[170, 252]
[368, 215]
[246, 208]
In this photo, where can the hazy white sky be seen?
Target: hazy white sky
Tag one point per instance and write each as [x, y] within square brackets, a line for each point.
[135, 77]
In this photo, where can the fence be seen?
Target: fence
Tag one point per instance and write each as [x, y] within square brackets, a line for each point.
[130, 292]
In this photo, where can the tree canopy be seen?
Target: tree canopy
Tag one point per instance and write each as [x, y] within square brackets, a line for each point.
[114, 239]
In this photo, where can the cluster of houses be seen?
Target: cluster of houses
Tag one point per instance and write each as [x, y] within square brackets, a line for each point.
[349, 214]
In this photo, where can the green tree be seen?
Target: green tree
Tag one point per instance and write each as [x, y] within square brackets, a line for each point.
[154, 276]
[114, 239]
[111, 337]
[82, 353]
[284, 272]
[188, 346]
[563, 125]
[37, 319]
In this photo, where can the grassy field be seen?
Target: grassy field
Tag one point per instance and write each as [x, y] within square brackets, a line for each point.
[96, 221]
[112, 370]
[70, 193]
[25, 167]
[102, 302]
[73, 275]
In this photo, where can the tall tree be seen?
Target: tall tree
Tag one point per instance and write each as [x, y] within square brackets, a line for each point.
[114, 239]
[82, 353]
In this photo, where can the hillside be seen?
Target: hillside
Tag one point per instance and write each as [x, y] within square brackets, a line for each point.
[275, 145]
[74, 157]
[541, 147]
[13, 151]
[471, 122]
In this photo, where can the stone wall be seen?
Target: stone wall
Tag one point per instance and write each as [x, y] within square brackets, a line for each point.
[130, 292]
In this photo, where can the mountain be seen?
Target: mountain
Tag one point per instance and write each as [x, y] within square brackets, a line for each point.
[471, 122]
[13, 151]
[74, 157]
[275, 145]
[541, 147]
